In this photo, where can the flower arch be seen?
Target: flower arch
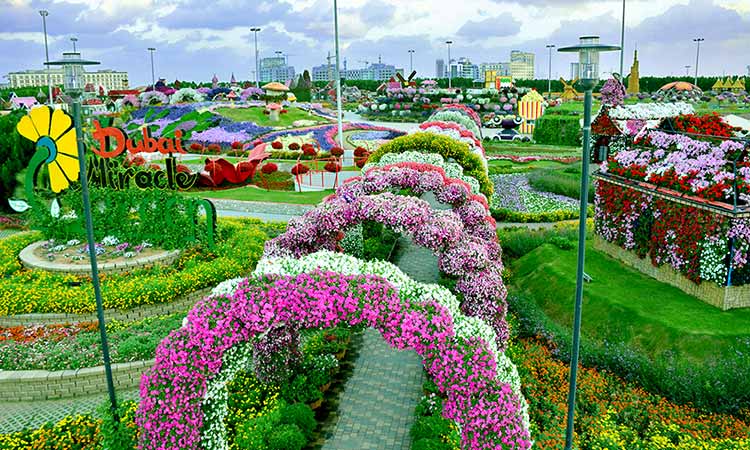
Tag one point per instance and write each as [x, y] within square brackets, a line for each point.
[459, 241]
[444, 146]
[489, 411]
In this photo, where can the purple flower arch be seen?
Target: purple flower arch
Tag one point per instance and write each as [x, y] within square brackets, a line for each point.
[459, 239]
[172, 392]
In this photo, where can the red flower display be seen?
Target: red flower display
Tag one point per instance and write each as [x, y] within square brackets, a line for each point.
[277, 145]
[269, 168]
[300, 169]
[337, 151]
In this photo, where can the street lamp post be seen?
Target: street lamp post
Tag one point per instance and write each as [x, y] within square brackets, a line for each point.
[72, 65]
[697, 55]
[411, 61]
[588, 51]
[257, 68]
[74, 40]
[449, 63]
[339, 113]
[44, 14]
[549, 71]
[622, 43]
[687, 70]
[153, 78]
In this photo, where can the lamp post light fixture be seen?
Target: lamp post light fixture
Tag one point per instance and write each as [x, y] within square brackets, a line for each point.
[687, 70]
[44, 13]
[339, 113]
[74, 40]
[411, 60]
[73, 83]
[588, 51]
[153, 78]
[549, 71]
[448, 43]
[257, 68]
[697, 56]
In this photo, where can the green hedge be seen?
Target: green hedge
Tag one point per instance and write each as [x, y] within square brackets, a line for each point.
[15, 154]
[445, 146]
[163, 218]
[558, 130]
[507, 215]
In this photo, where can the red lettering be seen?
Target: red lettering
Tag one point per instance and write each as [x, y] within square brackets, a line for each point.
[101, 134]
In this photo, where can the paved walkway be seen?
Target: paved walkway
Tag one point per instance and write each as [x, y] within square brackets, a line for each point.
[8, 232]
[17, 416]
[376, 409]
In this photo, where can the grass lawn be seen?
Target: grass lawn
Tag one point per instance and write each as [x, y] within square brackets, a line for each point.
[621, 304]
[526, 149]
[526, 166]
[253, 194]
[255, 114]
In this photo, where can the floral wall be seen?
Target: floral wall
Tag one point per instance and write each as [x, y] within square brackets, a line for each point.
[700, 244]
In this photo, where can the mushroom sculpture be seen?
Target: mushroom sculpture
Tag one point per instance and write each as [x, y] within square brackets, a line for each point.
[275, 89]
[273, 111]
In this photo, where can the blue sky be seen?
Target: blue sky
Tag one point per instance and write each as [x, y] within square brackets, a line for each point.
[197, 38]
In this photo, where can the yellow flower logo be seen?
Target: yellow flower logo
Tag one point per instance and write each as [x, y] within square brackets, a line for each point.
[52, 129]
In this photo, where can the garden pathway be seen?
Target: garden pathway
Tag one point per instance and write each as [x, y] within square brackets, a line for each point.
[376, 409]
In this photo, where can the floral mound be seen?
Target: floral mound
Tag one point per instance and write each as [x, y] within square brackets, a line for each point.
[464, 368]
[474, 260]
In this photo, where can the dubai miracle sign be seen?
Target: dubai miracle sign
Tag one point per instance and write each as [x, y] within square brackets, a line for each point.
[104, 171]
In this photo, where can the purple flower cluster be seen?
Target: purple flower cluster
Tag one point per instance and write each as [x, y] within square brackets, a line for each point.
[613, 93]
[172, 392]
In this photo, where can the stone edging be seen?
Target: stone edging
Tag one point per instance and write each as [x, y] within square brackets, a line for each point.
[31, 261]
[726, 297]
[181, 304]
[42, 385]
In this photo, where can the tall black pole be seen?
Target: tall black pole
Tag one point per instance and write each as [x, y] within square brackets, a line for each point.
[585, 156]
[92, 255]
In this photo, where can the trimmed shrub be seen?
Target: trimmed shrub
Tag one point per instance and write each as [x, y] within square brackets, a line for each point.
[558, 130]
[277, 145]
[337, 151]
[301, 416]
[269, 168]
[294, 146]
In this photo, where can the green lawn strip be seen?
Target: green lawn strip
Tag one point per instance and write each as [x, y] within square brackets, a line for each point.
[255, 114]
[253, 194]
[526, 166]
[625, 305]
[526, 149]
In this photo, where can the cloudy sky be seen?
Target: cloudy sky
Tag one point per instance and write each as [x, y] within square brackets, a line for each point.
[197, 38]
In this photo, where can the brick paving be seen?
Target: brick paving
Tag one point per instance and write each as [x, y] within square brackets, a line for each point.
[376, 408]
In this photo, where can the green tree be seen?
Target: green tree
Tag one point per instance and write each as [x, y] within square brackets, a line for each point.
[15, 154]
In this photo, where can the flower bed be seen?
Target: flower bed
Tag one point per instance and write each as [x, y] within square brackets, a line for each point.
[516, 201]
[23, 291]
[686, 165]
[457, 116]
[693, 241]
[444, 146]
[170, 414]
[456, 132]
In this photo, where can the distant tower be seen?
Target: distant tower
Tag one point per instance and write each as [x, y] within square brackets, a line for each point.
[232, 81]
[634, 80]
[215, 82]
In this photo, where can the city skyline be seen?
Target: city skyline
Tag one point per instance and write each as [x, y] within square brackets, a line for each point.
[194, 40]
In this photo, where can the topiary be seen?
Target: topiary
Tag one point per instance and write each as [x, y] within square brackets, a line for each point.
[300, 415]
[309, 150]
[300, 169]
[269, 168]
[286, 437]
[294, 146]
[277, 145]
[332, 167]
[337, 151]
[445, 146]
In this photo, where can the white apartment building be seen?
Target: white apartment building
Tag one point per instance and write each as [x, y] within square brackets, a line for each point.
[522, 65]
[109, 79]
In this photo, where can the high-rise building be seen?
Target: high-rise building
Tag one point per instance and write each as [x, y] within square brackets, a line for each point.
[521, 65]
[108, 79]
[376, 71]
[463, 68]
[275, 69]
[501, 69]
[439, 68]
